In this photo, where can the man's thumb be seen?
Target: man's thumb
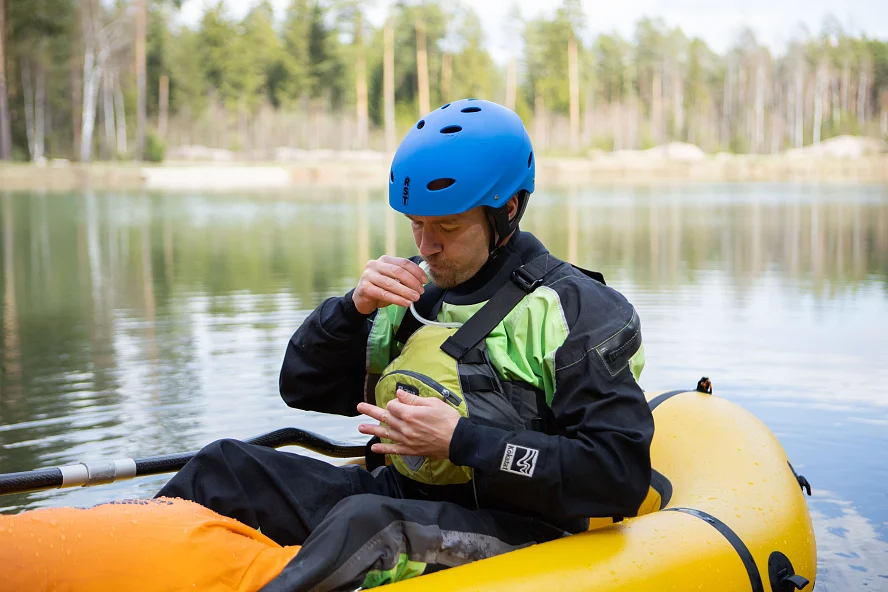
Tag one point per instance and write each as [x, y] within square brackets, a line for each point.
[410, 398]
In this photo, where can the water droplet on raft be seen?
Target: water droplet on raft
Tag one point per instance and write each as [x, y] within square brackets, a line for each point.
[134, 521]
[52, 522]
[63, 537]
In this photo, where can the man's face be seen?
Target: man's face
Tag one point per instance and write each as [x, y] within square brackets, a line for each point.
[455, 247]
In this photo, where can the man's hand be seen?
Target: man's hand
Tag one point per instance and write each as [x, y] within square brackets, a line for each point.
[388, 280]
[418, 426]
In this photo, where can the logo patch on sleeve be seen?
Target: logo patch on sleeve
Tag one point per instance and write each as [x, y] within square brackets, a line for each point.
[519, 460]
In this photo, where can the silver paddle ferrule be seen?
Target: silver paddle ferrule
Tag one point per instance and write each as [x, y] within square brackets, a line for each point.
[97, 472]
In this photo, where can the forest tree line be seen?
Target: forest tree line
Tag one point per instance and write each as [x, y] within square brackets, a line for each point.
[89, 79]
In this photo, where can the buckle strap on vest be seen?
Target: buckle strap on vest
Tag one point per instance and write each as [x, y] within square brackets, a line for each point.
[524, 280]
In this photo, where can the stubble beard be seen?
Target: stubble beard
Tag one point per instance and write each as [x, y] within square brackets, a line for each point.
[447, 275]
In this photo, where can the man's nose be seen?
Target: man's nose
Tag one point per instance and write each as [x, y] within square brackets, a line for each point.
[429, 243]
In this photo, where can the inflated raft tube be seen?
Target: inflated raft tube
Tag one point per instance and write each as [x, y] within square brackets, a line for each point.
[735, 520]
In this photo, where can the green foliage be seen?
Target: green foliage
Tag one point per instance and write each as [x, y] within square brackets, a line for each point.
[474, 68]
[311, 66]
[154, 149]
[304, 60]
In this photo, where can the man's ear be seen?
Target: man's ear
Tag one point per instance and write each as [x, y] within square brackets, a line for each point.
[512, 206]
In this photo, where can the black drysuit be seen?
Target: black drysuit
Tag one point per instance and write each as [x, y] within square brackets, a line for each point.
[592, 460]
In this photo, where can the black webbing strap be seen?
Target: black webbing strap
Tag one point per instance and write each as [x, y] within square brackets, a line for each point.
[524, 280]
[427, 306]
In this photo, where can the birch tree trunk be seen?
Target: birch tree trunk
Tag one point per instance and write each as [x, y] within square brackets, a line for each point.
[726, 107]
[28, 94]
[818, 104]
[790, 114]
[108, 110]
[361, 84]
[836, 112]
[39, 114]
[618, 122]
[883, 102]
[657, 105]
[140, 79]
[163, 107]
[388, 86]
[5, 133]
[799, 120]
[422, 69]
[574, 83]
[91, 74]
[76, 88]
[759, 109]
[539, 123]
[511, 83]
[120, 116]
[861, 98]
[94, 59]
[678, 111]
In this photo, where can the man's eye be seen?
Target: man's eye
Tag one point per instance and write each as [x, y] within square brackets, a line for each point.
[445, 228]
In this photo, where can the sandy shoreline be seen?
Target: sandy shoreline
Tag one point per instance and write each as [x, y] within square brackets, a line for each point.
[344, 171]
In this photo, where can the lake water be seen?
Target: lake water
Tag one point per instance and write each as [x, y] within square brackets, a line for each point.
[141, 324]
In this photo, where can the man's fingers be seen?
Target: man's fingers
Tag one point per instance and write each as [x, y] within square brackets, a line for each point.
[408, 265]
[377, 413]
[382, 431]
[392, 285]
[394, 449]
[415, 400]
[401, 275]
[392, 296]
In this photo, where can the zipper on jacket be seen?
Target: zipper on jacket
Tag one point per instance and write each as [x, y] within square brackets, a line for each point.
[446, 394]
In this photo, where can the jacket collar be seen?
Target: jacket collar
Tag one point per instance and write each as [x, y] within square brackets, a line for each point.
[521, 248]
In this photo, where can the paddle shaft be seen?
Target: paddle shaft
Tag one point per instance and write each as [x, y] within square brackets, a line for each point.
[101, 472]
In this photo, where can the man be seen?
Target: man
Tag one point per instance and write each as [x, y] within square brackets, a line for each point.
[509, 420]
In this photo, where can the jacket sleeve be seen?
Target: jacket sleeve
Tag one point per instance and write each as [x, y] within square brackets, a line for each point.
[598, 462]
[324, 366]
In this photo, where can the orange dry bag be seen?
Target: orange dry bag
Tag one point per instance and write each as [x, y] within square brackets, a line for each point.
[136, 545]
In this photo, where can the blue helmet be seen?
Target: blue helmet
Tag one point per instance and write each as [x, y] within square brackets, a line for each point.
[465, 154]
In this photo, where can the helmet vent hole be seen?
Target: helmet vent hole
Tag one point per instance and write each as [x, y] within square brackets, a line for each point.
[445, 106]
[421, 124]
[391, 176]
[529, 159]
[451, 129]
[439, 184]
[470, 109]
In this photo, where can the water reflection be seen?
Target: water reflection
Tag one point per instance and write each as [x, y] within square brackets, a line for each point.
[12, 369]
[851, 555]
[827, 238]
[143, 324]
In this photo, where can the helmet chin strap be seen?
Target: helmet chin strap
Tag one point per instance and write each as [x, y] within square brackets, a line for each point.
[500, 225]
[500, 229]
